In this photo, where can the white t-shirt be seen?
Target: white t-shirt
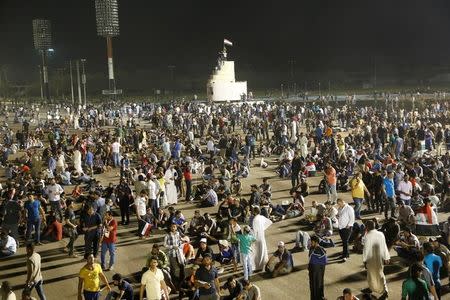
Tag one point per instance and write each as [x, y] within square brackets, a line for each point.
[11, 244]
[151, 189]
[405, 187]
[152, 283]
[140, 205]
[115, 147]
[54, 192]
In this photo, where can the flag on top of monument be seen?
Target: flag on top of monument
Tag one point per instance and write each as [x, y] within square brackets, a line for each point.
[227, 42]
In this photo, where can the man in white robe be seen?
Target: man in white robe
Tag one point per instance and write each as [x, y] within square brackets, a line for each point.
[171, 189]
[77, 161]
[259, 250]
[303, 142]
[375, 255]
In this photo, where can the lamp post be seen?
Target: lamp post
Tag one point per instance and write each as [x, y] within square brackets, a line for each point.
[107, 17]
[42, 38]
[40, 82]
[78, 82]
[71, 83]
[83, 79]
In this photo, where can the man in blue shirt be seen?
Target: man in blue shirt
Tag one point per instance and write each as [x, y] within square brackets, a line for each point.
[90, 161]
[433, 264]
[389, 193]
[34, 212]
[125, 289]
[207, 280]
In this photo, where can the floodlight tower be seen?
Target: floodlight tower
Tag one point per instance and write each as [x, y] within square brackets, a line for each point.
[42, 36]
[107, 16]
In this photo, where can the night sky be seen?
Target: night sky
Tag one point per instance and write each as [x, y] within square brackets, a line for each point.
[319, 35]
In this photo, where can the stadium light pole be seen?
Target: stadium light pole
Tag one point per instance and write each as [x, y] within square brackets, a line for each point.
[42, 37]
[40, 82]
[107, 17]
[83, 79]
[78, 82]
[71, 83]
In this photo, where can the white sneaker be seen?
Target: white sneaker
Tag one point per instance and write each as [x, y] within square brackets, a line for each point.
[221, 270]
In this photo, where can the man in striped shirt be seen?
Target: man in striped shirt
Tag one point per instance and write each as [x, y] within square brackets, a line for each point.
[172, 242]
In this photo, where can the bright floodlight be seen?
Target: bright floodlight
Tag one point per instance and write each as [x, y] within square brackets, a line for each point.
[107, 15]
[42, 34]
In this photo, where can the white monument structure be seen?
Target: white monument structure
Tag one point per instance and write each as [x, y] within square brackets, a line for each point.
[222, 84]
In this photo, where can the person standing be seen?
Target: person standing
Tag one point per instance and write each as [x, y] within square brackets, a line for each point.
[414, 287]
[71, 227]
[245, 247]
[389, 194]
[331, 180]
[405, 189]
[346, 218]
[125, 197]
[358, 188]
[34, 213]
[171, 190]
[115, 150]
[109, 240]
[12, 213]
[316, 268]
[433, 263]
[172, 242]
[89, 280]
[207, 280]
[152, 282]
[34, 275]
[296, 166]
[141, 211]
[188, 180]
[375, 254]
[260, 224]
[152, 196]
[53, 192]
[91, 226]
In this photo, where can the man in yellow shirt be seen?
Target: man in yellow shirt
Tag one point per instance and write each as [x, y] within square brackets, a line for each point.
[89, 280]
[358, 188]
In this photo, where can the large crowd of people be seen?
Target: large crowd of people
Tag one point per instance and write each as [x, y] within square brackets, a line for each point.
[395, 162]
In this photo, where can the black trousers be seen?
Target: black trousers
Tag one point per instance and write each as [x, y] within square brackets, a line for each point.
[344, 233]
[316, 282]
[188, 189]
[124, 210]
[91, 240]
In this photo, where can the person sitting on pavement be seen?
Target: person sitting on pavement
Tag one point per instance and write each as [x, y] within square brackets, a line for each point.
[202, 250]
[8, 245]
[280, 262]
[408, 245]
[347, 294]
[225, 256]
[405, 215]
[234, 288]
[125, 289]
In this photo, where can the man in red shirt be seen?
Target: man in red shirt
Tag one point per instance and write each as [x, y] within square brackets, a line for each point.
[188, 179]
[54, 231]
[330, 175]
[109, 240]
